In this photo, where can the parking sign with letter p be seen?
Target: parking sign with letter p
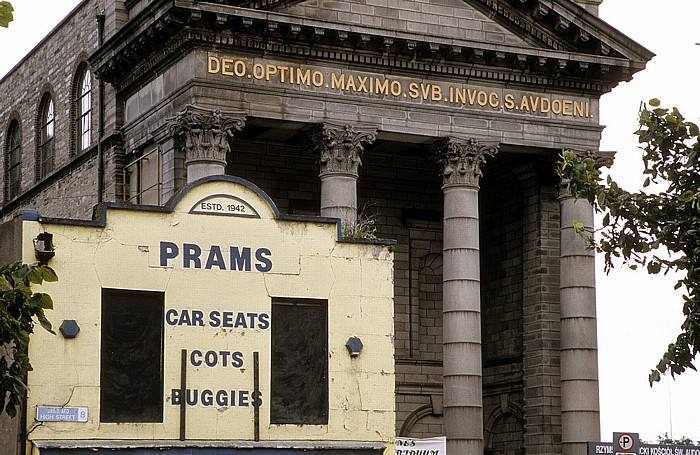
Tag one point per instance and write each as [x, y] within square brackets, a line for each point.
[626, 443]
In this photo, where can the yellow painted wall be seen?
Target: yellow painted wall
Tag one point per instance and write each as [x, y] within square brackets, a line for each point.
[308, 262]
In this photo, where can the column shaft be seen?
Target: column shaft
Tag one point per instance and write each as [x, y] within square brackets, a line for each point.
[462, 322]
[339, 198]
[579, 345]
[461, 162]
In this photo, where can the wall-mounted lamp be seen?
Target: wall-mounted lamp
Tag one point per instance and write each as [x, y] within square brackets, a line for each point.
[354, 346]
[43, 247]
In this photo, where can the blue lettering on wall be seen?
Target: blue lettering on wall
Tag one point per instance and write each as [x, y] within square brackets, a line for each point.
[185, 317]
[215, 318]
[239, 258]
[168, 250]
[216, 358]
[191, 253]
[215, 258]
[209, 397]
[264, 263]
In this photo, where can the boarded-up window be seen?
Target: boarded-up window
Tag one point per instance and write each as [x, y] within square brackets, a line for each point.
[299, 388]
[131, 373]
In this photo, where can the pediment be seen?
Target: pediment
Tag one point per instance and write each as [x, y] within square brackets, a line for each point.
[448, 19]
[553, 43]
[560, 25]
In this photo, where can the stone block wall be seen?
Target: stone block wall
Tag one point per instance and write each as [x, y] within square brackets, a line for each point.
[52, 67]
[541, 315]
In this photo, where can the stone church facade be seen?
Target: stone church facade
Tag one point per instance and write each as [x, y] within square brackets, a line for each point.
[436, 123]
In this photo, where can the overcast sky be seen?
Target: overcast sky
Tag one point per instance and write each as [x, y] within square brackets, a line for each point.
[638, 315]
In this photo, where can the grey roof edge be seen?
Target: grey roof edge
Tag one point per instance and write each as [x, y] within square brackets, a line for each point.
[614, 38]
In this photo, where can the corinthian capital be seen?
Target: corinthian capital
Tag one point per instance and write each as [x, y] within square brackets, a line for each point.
[601, 159]
[461, 160]
[206, 132]
[339, 147]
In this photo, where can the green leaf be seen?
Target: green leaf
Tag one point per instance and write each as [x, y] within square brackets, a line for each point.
[693, 129]
[34, 276]
[45, 324]
[48, 274]
[686, 196]
[44, 300]
[22, 272]
[653, 267]
[654, 376]
[654, 102]
[6, 14]
[579, 228]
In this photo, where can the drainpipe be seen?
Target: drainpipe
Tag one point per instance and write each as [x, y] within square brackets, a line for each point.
[23, 434]
[100, 113]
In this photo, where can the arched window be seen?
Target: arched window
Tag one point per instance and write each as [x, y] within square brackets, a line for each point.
[46, 136]
[13, 159]
[83, 110]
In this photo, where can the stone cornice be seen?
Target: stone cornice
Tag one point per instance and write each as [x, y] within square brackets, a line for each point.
[141, 47]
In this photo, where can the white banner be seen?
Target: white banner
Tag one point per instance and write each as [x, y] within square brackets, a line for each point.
[427, 446]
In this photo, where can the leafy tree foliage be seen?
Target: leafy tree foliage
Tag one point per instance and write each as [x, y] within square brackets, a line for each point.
[19, 305]
[637, 225]
[664, 439]
[5, 13]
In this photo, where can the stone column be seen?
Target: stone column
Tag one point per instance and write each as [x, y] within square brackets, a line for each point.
[580, 410]
[339, 149]
[461, 162]
[206, 133]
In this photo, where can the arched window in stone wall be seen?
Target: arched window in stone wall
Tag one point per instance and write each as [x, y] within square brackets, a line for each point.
[504, 432]
[430, 307]
[425, 421]
[13, 160]
[82, 110]
[45, 138]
